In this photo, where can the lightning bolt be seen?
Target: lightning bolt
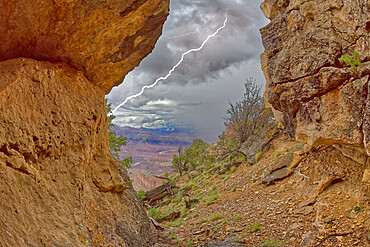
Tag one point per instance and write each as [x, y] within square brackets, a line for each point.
[189, 33]
[174, 67]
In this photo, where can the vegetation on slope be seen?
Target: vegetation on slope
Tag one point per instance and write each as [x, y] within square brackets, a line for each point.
[116, 142]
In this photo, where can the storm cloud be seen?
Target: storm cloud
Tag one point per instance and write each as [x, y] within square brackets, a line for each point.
[195, 96]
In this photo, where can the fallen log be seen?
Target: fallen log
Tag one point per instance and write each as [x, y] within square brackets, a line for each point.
[158, 193]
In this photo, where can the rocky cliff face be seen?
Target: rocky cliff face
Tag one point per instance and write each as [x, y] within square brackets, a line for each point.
[319, 100]
[59, 184]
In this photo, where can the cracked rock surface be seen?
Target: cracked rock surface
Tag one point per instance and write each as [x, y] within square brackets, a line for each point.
[319, 100]
[59, 185]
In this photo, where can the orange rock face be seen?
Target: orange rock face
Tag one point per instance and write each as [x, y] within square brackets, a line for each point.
[104, 39]
[59, 185]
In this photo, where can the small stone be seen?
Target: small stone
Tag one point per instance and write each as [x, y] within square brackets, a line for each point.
[304, 211]
[230, 229]
[307, 203]
[352, 214]
[366, 176]
[276, 176]
[308, 239]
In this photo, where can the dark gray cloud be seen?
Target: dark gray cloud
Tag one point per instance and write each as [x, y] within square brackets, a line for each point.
[196, 94]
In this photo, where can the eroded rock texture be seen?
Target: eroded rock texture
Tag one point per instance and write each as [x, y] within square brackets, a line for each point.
[319, 100]
[104, 39]
[59, 185]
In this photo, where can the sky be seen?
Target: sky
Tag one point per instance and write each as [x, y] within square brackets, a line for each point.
[196, 95]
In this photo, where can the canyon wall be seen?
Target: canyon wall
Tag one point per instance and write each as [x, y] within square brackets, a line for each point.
[315, 97]
[59, 185]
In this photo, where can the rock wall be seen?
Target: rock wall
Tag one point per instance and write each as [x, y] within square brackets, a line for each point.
[59, 185]
[318, 99]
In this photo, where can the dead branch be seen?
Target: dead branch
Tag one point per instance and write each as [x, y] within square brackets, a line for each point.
[163, 178]
[158, 193]
[156, 224]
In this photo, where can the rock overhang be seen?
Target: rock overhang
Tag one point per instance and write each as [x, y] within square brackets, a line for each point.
[103, 39]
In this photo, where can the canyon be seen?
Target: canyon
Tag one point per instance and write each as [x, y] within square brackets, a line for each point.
[151, 151]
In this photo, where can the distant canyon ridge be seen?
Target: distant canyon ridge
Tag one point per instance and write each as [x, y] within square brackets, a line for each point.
[151, 151]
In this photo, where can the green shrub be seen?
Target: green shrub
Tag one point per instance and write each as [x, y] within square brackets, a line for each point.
[176, 223]
[194, 213]
[175, 238]
[193, 157]
[353, 60]
[203, 220]
[233, 168]
[295, 148]
[238, 217]
[155, 213]
[141, 194]
[216, 217]
[233, 189]
[177, 198]
[116, 142]
[258, 156]
[183, 212]
[212, 196]
[190, 243]
[357, 209]
[209, 167]
[199, 177]
[271, 242]
[255, 227]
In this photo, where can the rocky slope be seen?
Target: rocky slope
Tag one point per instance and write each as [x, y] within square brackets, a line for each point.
[239, 208]
[316, 194]
[59, 184]
[319, 100]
